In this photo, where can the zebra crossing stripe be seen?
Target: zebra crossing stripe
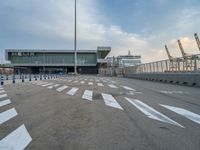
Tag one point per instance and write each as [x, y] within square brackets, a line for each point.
[2, 91]
[52, 86]
[60, 89]
[72, 91]
[183, 112]
[128, 88]
[47, 84]
[1, 88]
[7, 115]
[110, 101]
[100, 84]
[5, 102]
[3, 95]
[87, 95]
[69, 80]
[76, 81]
[16, 140]
[112, 86]
[82, 82]
[151, 113]
[90, 83]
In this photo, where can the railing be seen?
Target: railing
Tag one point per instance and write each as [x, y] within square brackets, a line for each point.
[187, 64]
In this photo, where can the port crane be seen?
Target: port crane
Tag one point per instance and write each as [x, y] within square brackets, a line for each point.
[174, 62]
[197, 40]
[188, 59]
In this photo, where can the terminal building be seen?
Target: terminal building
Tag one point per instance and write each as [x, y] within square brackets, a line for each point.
[56, 61]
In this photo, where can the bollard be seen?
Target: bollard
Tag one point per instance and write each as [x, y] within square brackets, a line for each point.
[13, 79]
[6, 77]
[2, 80]
[22, 78]
[29, 77]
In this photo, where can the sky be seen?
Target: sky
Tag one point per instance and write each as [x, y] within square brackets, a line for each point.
[141, 26]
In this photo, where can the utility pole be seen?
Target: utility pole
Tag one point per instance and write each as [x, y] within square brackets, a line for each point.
[75, 52]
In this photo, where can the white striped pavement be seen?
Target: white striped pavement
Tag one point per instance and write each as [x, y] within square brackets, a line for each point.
[100, 84]
[5, 102]
[110, 101]
[7, 115]
[185, 113]
[3, 95]
[87, 95]
[128, 88]
[72, 91]
[16, 140]
[151, 113]
[90, 83]
[60, 89]
[47, 84]
[2, 91]
[112, 86]
[82, 82]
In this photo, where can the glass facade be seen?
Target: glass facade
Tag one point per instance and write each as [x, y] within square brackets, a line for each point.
[51, 58]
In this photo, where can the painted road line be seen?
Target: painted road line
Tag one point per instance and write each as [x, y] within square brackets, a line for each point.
[40, 83]
[87, 95]
[183, 112]
[3, 95]
[16, 140]
[1, 88]
[75, 81]
[172, 92]
[100, 84]
[47, 84]
[56, 85]
[52, 86]
[128, 88]
[110, 101]
[82, 82]
[112, 86]
[2, 91]
[60, 89]
[90, 83]
[69, 80]
[151, 113]
[72, 91]
[7, 115]
[5, 102]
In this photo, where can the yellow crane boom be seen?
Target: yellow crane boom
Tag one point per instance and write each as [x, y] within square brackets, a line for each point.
[181, 48]
[168, 54]
[197, 40]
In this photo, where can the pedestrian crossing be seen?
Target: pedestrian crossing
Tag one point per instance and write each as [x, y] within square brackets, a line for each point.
[17, 139]
[111, 101]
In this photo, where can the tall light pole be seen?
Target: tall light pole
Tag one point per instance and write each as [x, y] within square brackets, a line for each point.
[75, 52]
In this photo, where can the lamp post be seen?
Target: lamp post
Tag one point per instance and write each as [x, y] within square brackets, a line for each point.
[75, 52]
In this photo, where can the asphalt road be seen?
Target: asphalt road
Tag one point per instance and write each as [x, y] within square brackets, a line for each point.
[99, 113]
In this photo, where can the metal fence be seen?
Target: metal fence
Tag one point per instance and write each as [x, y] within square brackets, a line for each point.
[186, 64]
[189, 64]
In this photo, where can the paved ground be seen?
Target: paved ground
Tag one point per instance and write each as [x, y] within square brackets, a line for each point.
[95, 113]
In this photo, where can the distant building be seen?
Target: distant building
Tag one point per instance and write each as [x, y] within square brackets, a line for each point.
[124, 61]
[56, 61]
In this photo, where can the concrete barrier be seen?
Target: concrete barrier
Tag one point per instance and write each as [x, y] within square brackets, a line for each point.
[190, 79]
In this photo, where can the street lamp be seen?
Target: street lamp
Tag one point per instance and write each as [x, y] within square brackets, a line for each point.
[75, 52]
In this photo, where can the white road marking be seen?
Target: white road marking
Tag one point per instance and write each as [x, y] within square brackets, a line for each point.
[110, 101]
[5, 102]
[112, 86]
[128, 88]
[52, 86]
[82, 82]
[90, 83]
[2, 91]
[97, 80]
[172, 92]
[1, 88]
[72, 91]
[69, 80]
[60, 89]
[100, 84]
[16, 140]
[40, 83]
[3, 95]
[76, 81]
[151, 113]
[188, 114]
[87, 95]
[47, 84]
[7, 115]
